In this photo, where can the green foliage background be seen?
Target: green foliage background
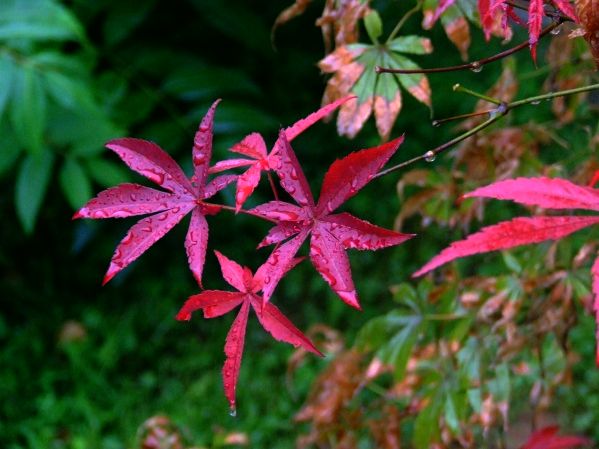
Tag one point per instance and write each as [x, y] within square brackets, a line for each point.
[76, 74]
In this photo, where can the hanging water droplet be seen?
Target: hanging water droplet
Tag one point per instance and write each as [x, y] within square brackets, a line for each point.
[233, 412]
[436, 123]
[556, 30]
[476, 67]
[430, 156]
[536, 102]
[456, 86]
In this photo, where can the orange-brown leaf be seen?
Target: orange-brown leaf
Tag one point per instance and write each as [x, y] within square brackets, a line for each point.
[588, 13]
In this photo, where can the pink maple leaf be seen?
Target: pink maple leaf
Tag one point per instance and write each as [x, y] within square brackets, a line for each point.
[331, 234]
[254, 147]
[489, 10]
[182, 197]
[547, 438]
[543, 192]
[216, 303]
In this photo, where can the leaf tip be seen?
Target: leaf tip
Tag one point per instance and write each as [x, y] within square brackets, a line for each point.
[183, 316]
[78, 214]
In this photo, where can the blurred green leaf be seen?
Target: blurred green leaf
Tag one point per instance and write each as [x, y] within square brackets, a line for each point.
[32, 182]
[374, 25]
[426, 427]
[106, 173]
[123, 18]
[59, 62]
[75, 183]
[7, 68]
[28, 109]
[38, 20]
[70, 93]
[9, 148]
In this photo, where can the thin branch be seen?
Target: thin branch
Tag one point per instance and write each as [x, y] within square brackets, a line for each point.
[459, 88]
[494, 115]
[475, 66]
[439, 122]
[404, 19]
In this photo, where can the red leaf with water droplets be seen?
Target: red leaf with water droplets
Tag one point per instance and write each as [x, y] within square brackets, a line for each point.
[347, 176]
[509, 234]
[215, 303]
[535, 22]
[548, 193]
[547, 438]
[567, 8]
[126, 200]
[234, 352]
[359, 234]
[253, 146]
[331, 234]
[142, 235]
[169, 208]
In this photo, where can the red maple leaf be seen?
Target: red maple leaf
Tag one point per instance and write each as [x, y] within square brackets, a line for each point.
[253, 146]
[492, 10]
[543, 192]
[331, 233]
[216, 303]
[547, 438]
[169, 208]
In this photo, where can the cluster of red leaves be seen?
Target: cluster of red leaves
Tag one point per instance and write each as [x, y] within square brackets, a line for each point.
[547, 438]
[542, 192]
[331, 234]
[492, 11]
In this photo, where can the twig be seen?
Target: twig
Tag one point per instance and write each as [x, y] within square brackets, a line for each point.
[494, 115]
[475, 66]
[404, 19]
[243, 211]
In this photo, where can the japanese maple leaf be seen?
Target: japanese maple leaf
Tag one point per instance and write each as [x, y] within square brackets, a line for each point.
[216, 303]
[547, 438]
[543, 192]
[254, 146]
[490, 10]
[331, 234]
[352, 68]
[182, 197]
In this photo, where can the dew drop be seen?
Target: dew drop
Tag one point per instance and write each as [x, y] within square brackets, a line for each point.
[556, 31]
[233, 412]
[430, 156]
[436, 123]
[293, 174]
[535, 103]
[133, 197]
[476, 67]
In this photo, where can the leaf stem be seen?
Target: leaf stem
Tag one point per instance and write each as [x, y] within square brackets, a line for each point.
[403, 20]
[272, 186]
[439, 122]
[459, 88]
[243, 211]
[475, 66]
[494, 115]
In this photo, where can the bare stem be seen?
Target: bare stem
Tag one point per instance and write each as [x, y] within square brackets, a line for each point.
[243, 211]
[439, 122]
[494, 115]
[273, 186]
[475, 66]
[404, 19]
[460, 88]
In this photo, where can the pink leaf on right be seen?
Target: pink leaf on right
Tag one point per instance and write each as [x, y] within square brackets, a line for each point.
[547, 193]
[508, 234]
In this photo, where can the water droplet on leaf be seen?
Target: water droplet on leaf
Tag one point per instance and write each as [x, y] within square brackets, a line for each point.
[436, 123]
[233, 412]
[430, 156]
